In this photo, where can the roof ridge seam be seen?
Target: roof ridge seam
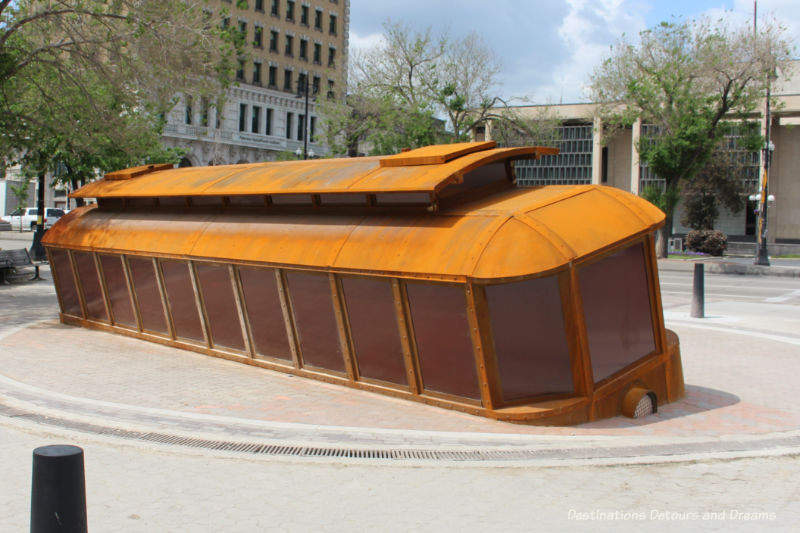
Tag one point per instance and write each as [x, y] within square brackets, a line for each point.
[495, 228]
[551, 236]
[346, 240]
[629, 205]
[200, 234]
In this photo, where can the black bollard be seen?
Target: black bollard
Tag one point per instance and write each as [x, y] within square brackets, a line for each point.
[58, 491]
[698, 292]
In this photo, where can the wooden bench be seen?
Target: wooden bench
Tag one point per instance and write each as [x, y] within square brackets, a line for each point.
[11, 260]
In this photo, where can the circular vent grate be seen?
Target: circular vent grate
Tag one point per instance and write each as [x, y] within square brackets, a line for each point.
[644, 407]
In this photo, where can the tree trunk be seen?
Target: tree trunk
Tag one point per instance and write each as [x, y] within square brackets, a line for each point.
[663, 235]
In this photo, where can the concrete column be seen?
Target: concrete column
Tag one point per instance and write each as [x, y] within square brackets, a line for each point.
[635, 134]
[597, 151]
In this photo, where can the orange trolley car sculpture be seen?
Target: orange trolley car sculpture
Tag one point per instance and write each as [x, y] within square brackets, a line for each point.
[425, 275]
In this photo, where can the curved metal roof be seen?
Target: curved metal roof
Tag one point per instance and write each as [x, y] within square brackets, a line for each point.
[512, 233]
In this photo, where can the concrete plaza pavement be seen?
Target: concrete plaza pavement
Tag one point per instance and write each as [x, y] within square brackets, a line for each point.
[177, 441]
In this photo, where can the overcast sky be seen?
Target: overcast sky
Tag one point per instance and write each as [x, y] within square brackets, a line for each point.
[548, 48]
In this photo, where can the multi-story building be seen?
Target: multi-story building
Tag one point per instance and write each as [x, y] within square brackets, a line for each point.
[586, 157]
[291, 46]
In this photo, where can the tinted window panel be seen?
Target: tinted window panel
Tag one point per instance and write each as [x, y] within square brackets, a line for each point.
[263, 307]
[118, 293]
[616, 307]
[441, 330]
[373, 324]
[220, 303]
[90, 282]
[180, 296]
[145, 285]
[71, 304]
[529, 338]
[318, 333]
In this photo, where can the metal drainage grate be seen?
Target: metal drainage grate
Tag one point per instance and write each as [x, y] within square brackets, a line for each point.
[791, 442]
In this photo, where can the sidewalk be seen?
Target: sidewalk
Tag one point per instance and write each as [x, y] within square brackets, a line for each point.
[735, 265]
[739, 398]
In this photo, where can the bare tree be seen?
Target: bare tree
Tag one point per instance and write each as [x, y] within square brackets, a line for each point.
[415, 88]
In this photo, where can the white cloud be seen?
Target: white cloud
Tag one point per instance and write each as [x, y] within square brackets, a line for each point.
[365, 42]
[588, 30]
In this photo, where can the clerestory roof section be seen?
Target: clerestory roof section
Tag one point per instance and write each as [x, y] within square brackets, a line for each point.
[425, 170]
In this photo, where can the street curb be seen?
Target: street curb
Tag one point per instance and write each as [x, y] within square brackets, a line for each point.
[722, 267]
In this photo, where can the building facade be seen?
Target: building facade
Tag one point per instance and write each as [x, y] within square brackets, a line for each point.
[292, 46]
[587, 157]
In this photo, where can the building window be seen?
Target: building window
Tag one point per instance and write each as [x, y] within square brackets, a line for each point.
[226, 22]
[187, 115]
[331, 56]
[332, 25]
[304, 49]
[273, 76]
[301, 124]
[373, 323]
[318, 19]
[243, 30]
[258, 37]
[312, 128]
[616, 308]
[273, 41]
[262, 303]
[301, 83]
[530, 338]
[442, 334]
[256, 73]
[275, 8]
[289, 45]
[218, 115]
[289, 124]
[260, 5]
[317, 53]
[242, 116]
[268, 125]
[331, 93]
[304, 15]
[315, 85]
[181, 300]
[287, 80]
[290, 10]
[315, 320]
[255, 121]
[572, 166]
[220, 305]
[240, 70]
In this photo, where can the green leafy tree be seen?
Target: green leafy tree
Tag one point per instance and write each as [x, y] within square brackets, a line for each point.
[720, 182]
[687, 78]
[84, 82]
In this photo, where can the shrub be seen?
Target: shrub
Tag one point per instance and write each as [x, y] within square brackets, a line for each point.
[708, 241]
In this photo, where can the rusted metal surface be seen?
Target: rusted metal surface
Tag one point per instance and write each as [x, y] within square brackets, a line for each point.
[436, 227]
[410, 173]
[539, 225]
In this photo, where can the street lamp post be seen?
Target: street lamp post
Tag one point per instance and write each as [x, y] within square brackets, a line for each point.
[762, 255]
[302, 90]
